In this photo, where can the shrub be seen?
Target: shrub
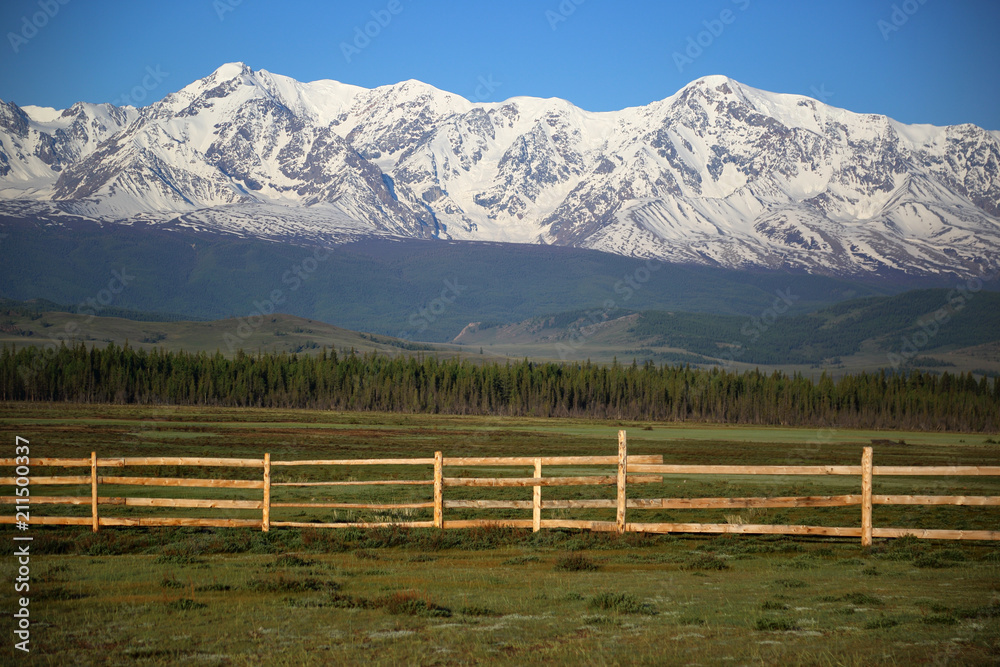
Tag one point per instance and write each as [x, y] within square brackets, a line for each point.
[281, 584]
[769, 624]
[772, 605]
[521, 560]
[907, 547]
[602, 620]
[576, 563]
[176, 559]
[940, 619]
[933, 560]
[410, 603]
[185, 604]
[56, 593]
[620, 603]
[290, 560]
[422, 558]
[791, 583]
[881, 623]
[691, 619]
[953, 553]
[341, 601]
[991, 610]
[704, 562]
[863, 599]
[214, 587]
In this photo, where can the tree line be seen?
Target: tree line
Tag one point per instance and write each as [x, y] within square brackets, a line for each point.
[378, 382]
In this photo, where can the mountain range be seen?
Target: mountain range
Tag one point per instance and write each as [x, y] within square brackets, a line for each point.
[719, 173]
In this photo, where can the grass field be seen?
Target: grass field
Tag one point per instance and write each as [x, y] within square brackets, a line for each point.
[424, 596]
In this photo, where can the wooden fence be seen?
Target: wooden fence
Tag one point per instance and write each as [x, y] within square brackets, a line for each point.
[627, 471]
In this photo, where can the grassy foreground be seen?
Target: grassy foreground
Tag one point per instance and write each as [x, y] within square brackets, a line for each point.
[390, 596]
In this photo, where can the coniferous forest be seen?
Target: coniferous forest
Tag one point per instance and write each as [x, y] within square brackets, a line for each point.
[347, 381]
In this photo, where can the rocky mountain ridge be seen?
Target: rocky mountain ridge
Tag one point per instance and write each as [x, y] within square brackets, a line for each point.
[718, 173]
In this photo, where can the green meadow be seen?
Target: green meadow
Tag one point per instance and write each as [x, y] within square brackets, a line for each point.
[205, 596]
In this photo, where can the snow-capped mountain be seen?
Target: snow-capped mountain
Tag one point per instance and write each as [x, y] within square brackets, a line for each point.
[718, 173]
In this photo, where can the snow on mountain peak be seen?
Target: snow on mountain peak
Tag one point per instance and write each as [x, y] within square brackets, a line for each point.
[711, 81]
[41, 114]
[230, 71]
[718, 173]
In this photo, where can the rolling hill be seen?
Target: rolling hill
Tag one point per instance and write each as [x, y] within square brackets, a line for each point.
[932, 329]
[415, 289]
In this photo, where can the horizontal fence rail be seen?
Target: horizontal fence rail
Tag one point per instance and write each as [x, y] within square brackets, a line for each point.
[627, 471]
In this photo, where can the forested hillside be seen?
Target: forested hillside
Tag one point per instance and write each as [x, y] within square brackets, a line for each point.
[946, 318]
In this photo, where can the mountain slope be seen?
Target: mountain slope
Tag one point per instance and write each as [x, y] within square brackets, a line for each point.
[425, 290]
[718, 173]
[931, 328]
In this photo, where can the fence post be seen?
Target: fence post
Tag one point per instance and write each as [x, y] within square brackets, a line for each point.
[622, 468]
[536, 499]
[438, 490]
[93, 490]
[265, 524]
[866, 497]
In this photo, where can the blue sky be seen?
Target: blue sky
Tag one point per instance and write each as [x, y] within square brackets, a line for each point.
[930, 61]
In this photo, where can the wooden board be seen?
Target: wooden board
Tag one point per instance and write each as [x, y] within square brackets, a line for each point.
[589, 480]
[51, 520]
[374, 482]
[179, 461]
[536, 498]
[932, 534]
[49, 500]
[866, 497]
[357, 506]
[548, 460]
[355, 524]
[184, 481]
[484, 523]
[356, 462]
[43, 461]
[40, 480]
[621, 481]
[763, 529]
[742, 503]
[489, 504]
[602, 526]
[147, 522]
[610, 503]
[438, 483]
[965, 471]
[936, 500]
[186, 502]
[743, 470]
